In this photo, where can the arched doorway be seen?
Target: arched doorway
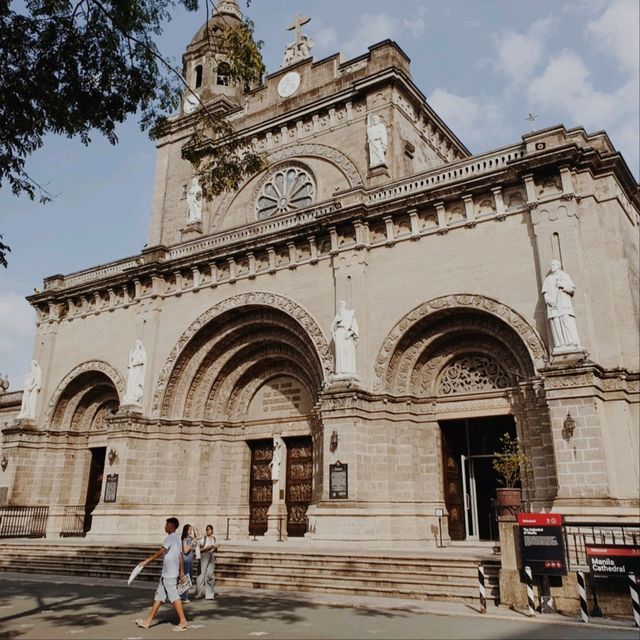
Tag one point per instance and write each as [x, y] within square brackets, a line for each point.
[82, 409]
[255, 370]
[474, 361]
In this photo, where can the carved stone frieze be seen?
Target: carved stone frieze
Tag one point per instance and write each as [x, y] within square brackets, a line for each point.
[471, 374]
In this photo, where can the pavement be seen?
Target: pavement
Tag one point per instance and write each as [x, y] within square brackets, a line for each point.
[50, 607]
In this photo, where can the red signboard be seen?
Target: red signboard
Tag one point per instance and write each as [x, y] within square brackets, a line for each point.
[539, 520]
[542, 543]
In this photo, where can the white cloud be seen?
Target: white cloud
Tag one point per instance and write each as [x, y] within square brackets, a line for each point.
[474, 122]
[373, 28]
[17, 328]
[565, 87]
[616, 31]
[519, 54]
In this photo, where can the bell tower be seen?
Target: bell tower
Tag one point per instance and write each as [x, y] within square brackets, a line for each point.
[205, 68]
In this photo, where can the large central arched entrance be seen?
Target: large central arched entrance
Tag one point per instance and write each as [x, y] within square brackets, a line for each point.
[254, 371]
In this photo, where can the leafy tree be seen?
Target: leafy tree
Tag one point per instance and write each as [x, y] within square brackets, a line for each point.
[75, 67]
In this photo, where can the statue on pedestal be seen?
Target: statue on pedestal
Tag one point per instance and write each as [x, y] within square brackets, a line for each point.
[32, 385]
[346, 334]
[557, 291]
[276, 460]
[137, 368]
[194, 202]
[378, 142]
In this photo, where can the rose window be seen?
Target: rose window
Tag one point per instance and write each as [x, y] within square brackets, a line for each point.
[287, 190]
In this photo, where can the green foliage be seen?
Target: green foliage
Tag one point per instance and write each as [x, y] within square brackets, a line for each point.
[510, 461]
[76, 68]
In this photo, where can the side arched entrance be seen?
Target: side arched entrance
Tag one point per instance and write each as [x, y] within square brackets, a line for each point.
[471, 364]
[78, 414]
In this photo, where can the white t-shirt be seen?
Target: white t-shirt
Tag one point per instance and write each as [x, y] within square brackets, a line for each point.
[208, 541]
[171, 564]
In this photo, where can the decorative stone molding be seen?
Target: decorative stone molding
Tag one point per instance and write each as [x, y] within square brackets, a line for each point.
[335, 157]
[472, 374]
[91, 365]
[464, 302]
[259, 298]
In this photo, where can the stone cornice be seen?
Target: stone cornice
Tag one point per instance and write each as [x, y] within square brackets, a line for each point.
[457, 181]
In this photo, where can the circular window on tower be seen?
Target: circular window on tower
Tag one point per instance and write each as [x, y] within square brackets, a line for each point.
[285, 189]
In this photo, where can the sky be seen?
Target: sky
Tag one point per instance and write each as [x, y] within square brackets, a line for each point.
[483, 65]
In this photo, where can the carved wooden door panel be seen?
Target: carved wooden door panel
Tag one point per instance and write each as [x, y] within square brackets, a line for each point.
[299, 484]
[453, 491]
[261, 487]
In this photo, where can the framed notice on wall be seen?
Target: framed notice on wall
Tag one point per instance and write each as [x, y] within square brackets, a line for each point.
[542, 543]
[338, 481]
[111, 488]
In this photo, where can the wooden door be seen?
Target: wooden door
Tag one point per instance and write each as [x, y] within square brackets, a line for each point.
[261, 487]
[299, 484]
[453, 490]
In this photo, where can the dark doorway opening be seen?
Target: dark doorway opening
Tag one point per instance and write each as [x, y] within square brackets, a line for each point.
[470, 482]
[94, 487]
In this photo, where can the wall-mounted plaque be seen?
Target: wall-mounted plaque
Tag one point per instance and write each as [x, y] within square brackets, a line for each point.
[338, 481]
[111, 488]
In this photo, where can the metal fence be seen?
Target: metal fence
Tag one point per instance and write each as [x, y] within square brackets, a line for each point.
[74, 521]
[23, 522]
[579, 534]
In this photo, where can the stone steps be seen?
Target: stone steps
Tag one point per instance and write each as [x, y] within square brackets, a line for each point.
[383, 574]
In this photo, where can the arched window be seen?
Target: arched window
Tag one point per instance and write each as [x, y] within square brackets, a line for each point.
[287, 189]
[224, 73]
[198, 76]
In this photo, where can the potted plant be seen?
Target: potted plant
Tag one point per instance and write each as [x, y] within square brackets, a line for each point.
[509, 463]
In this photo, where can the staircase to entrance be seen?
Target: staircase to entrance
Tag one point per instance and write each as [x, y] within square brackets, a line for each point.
[447, 575]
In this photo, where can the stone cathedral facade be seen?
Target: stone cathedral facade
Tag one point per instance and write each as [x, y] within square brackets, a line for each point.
[199, 378]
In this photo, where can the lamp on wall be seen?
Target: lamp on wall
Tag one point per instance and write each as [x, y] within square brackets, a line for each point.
[4, 462]
[568, 426]
[111, 456]
[333, 442]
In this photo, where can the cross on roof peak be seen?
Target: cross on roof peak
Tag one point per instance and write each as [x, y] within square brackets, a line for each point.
[297, 26]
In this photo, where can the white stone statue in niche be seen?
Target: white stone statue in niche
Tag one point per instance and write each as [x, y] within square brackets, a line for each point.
[378, 142]
[194, 202]
[32, 385]
[136, 369]
[557, 290]
[276, 460]
[346, 334]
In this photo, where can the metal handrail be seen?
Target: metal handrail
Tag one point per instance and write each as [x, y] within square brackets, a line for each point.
[23, 521]
[74, 521]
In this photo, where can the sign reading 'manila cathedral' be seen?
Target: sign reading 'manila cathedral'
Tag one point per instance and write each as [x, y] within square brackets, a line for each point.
[342, 343]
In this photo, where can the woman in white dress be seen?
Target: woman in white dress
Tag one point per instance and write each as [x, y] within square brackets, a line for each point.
[207, 578]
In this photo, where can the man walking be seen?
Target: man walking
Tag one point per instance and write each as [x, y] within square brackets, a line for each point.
[172, 571]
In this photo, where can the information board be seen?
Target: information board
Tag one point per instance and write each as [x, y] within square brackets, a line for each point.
[542, 543]
[338, 481]
[613, 560]
[111, 488]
